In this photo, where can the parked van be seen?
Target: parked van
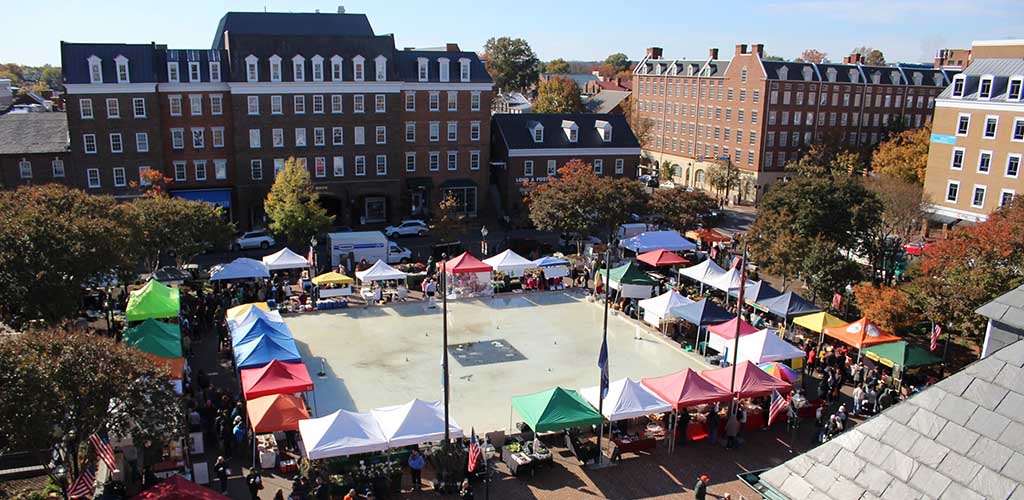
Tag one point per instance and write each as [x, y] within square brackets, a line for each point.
[369, 245]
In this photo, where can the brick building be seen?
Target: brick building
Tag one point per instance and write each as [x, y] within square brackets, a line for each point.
[977, 142]
[33, 149]
[756, 115]
[384, 132]
[532, 147]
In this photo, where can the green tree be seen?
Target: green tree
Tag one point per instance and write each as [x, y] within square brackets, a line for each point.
[53, 241]
[680, 208]
[904, 156]
[825, 269]
[51, 76]
[870, 56]
[293, 206]
[719, 177]
[557, 66]
[511, 63]
[618, 61]
[447, 224]
[163, 225]
[61, 386]
[558, 95]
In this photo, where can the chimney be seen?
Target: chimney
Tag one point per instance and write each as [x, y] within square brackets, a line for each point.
[713, 53]
[654, 52]
[341, 9]
[854, 58]
[741, 49]
[758, 49]
[451, 47]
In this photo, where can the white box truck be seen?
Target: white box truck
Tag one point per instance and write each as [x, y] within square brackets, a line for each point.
[369, 245]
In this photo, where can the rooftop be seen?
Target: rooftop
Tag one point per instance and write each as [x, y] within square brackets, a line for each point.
[514, 130]
[33, 133]
[292, 24]
[606, 100]
[1007, 308]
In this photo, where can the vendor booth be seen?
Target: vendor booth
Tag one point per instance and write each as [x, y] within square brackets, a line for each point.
[243, 309]
[170, 275]
[238, 269]
[818, 322]
[153, 301]
[662, 258]
[630, 281]
[415, 422]
[780, 371]
[860, 334]
[702, 314]
[788, 306]
[258, 329]
[626, 399]
[659, 308]
[285, 259]
[722, 337]
[256, 314]
[708, 236]
[466, 276]
[156, 338]
[553, 267]
[764, 346]
[726, 282]
[276, 412]
[333, 284]
[654, 240]
[756, 291]
[554, 410]
[751, 381]
[510, 263]
[900, 355]
[380, 271]
[276, 377]
[267, 348]
[702, 272]
[686, 388]
[177, 487]
[341, 433]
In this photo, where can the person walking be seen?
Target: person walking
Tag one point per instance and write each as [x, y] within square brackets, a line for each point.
[700, 490]
[220, 468]
[416, 464]
[255, 484]
[858, 399]
[732, 429]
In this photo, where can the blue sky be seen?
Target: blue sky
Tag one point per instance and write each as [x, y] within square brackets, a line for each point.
[906, 30]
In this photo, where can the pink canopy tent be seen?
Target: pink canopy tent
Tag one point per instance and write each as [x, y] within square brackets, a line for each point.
[661, 257]
[465, 263]
[751, 381]
[685, 388]
[727, 330]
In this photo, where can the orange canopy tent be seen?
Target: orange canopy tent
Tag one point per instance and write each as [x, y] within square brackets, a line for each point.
[707, 236]
[465, 263]
[279, 412]
[660, 258]
[276, 377]
[860, 334]
[175, 366]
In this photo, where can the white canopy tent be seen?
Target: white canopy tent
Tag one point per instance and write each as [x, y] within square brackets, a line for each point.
[654, 240]
[726, 282]
[626, 399]
[414, 422]
[765, 346]
[240, 268]
[341, 433]
[660, 308]
[702, 272]
[380, 271]
[510, 263]
[285, 259]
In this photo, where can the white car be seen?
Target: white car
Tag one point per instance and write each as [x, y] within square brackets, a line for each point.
[407, 228]
[254, 239]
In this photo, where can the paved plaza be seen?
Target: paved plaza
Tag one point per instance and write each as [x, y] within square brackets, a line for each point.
[380, 356]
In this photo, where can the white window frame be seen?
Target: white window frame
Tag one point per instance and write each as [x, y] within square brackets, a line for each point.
[1002, 195]
[195, 74]
[318, 104]
[380, 67]
[464, 74]
[199, 169]
[177, 138]
[434, 101]
[255, 141]
[275, 68]
[360, 165]
[337, 136]
[422, 69]
[120, 177]
[598, 166]
[552, 169]
[337, 70]
[320, 166]
[299, 68]
[57, 168]
[381, 135]
[142, 142]
[338, 166]
[299, 104]
[337, 104]
[1018, 122]
[252, 68]
[276, 105]
[319, 136]
[358, 69]
[24, 169]
[380, 103]
[300, 137]
[434, 132]
[198, 135]
[113, 107]
[195, 105]
[452, 131]
[434, 161]
[118, 145]
[277, 138]
[410, 100]
[92, 176]
[382, 165]
[410, 131]
[318, 68]
[960, 118]
[358, 103]
[143, 181]
[139, 104]
[95, 69]
[991, 157]
[952, 158]
[620, 166]
[528, 168]
[359, 135]
[1020, 164]
[956, 197]
[443, 69]
[216, 104]
[214, 68]
[173, 72]
[474, 131]
[474, 101]
[453, 100]
[410, 162]
[256, 169]
[452, 161]
[995, 132]
[217, 137]
[474, 160]
[990, 79]
[984, 194]
[85, 109]
[253, 105]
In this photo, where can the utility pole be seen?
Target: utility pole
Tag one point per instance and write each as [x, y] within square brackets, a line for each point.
[600, 384]
[444, 342]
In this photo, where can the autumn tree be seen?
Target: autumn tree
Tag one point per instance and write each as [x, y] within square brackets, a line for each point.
[641, 126]
[767, 57]
[870, 56]
[825, 268]
[63, 385]
[813, 56]
[903, 205]
[681, 209]
[511, 63]
[293, 206]
[447, 223]
[827, 157]
[582, 203]
[558, 95]
[888, 307]
[617, 62]
[904, 156]
[720, 177]
[558, 66]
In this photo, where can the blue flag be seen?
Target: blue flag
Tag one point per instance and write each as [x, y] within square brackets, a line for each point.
[602, 362]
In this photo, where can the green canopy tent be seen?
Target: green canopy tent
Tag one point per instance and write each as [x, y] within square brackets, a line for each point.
[555, 409]
[155, 300]
[156, 338]
[630, 274]
[900, 354]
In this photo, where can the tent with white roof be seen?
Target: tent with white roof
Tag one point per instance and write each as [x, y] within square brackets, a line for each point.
[510, 263]
[703, 272]
[659, 308]
[240, 268]
[765, 346]
[380, 271]
[341, 433]
[285, 259]
[626, 399]
[415, 422]
[726, 282]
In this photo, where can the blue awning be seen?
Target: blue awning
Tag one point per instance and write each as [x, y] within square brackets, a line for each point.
[219, 197]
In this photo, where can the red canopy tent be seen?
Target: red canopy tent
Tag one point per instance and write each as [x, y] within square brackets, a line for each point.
[465, 263]
[751, 381]
[279, 412]
[860, 334]
[685, 388]
[276, 377]
[727, 330]
[179, 488]
[661, 257]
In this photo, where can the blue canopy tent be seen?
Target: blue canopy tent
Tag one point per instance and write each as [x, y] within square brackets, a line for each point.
[654, 240]
[240, 268]
[756, 291]
[257, 329]
[264, 350]
[788, 306]
[702, 313]
[550, 261]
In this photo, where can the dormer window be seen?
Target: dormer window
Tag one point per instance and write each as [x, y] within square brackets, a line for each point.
[1014, 89]
[299, 68]
[937, 78]
[172, 72]
[572, 131]
[252, 72]
[122, 69]
[336, 68]
[95, 69]
[894, 77]
[918, 78]
[689, 70]
[876, 77]
[423, 68]
[854, 75]
[657, 69]
[318, 68]
[380, 66]
[194, 74]
[537, 131]
[442, 64]
[357, 68]
[784, 73]
[275, 68]
[214, 71]
[464, 69]
[808, 73]
[831, 73]
[604, 129]
[985, 87]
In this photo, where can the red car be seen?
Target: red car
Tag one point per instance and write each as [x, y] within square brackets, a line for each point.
[918, 248]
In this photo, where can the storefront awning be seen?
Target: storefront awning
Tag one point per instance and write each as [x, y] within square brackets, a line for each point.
[457, 183]
[420, 183]
[219, 197]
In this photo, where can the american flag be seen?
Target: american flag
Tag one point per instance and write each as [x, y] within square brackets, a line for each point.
[779, 405]
[474, 451]
[83, 487]
[103, 450]
[936, 332]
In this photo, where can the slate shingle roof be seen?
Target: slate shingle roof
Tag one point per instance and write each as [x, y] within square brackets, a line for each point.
[295, 24]
[1007, 308]
[33, 133]
[606, 100]
[514, 131]
[962, 438]
[1001, 69]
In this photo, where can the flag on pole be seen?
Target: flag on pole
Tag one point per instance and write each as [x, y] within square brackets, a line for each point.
[474, 451]
[103, 450]
[83, 487]
[837, 300]
[735, 262]
[936, 332]
[778, 406]
[602, 362]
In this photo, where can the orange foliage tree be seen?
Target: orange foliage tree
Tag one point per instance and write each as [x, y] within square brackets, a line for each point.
[887, 307]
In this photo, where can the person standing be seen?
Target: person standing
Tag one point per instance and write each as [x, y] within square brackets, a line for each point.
[255, 484]
[221, 470]
[700, 491]
[732, 429]
[416, 464]
[712, 421]
[682, 423]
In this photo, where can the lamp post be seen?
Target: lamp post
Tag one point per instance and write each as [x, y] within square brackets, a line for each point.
[601, 381]
[444, 341]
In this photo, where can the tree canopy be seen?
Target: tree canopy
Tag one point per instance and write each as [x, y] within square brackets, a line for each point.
[813, 56]
[511, 63]
[557, 66]
[903, 206]
[903, 156]
[681, 209]
[641, 126]
[293, 206]
[447, 224]
[558, 95]
[618, 62]
[160, 224]
[870, 56]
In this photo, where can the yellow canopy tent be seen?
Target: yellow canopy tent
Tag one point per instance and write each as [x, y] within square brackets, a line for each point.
[818, 321]
[333, 278]
[239, 311]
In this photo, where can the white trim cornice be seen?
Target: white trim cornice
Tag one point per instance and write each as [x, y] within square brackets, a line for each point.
[524, 153]
[447, 86]
[956, 213]
[1014, 106]
[109, 88]
[348, 87]
[192, 87]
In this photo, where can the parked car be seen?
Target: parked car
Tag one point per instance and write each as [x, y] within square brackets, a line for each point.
[254, 239]
[412, 227]
[918, 248]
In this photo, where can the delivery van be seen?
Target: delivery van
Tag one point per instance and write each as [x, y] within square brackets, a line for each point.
[369, 245]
